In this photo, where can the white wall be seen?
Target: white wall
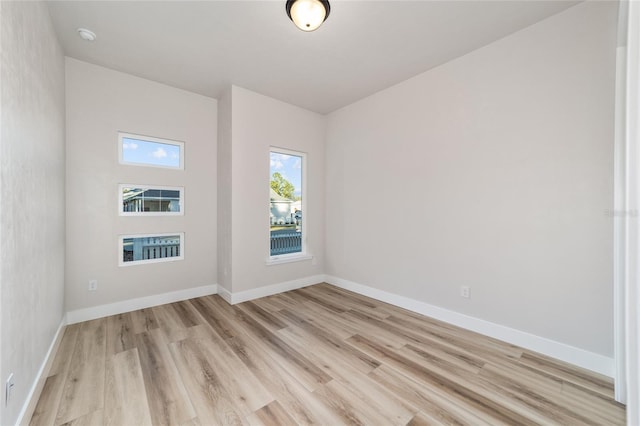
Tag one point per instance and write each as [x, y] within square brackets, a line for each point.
[258, 123]
[631, 187]
[101, 102]
[225, 214]
[492, 171]
[32, 197]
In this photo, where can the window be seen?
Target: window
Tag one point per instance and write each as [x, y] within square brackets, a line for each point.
[153, 248]
[142, 200]
[286, 206]
[147, 151]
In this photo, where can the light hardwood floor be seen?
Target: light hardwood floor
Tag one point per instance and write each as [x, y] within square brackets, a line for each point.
[318, 355]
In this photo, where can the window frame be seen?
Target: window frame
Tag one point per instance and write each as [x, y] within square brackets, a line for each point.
[303, 254]
[122, 237]
[143, 138]
[147, 187]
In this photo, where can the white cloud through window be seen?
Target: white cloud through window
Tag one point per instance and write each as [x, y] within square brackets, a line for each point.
[159, 153]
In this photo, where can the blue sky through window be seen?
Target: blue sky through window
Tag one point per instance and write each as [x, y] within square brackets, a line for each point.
[152, 153]
[290, 167]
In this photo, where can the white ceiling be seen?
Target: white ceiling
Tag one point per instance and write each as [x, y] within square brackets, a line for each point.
[363, 47]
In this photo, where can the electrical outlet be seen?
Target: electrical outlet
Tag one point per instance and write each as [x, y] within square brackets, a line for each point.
[8, 388]
[93, 285]
[465, 291]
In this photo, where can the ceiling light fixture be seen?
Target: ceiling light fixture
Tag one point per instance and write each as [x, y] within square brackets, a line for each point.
[308, 15]
[86, 34]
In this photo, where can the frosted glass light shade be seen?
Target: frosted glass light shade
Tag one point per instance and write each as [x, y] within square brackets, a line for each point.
[308, 15]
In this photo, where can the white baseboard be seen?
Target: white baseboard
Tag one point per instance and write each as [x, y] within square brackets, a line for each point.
[101, 311]
[225, 294]
[38, 384]
[256, 293]
[576, 356]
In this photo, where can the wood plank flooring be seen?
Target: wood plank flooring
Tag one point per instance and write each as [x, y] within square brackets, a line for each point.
[318, 355]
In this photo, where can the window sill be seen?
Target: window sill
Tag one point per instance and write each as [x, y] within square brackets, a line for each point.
[151, 261]
[288, 258]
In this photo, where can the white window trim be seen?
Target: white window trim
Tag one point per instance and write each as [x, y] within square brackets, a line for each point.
[288, 258]
[303, 254]
[145, 214]
[121, 239]
[121, 160]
